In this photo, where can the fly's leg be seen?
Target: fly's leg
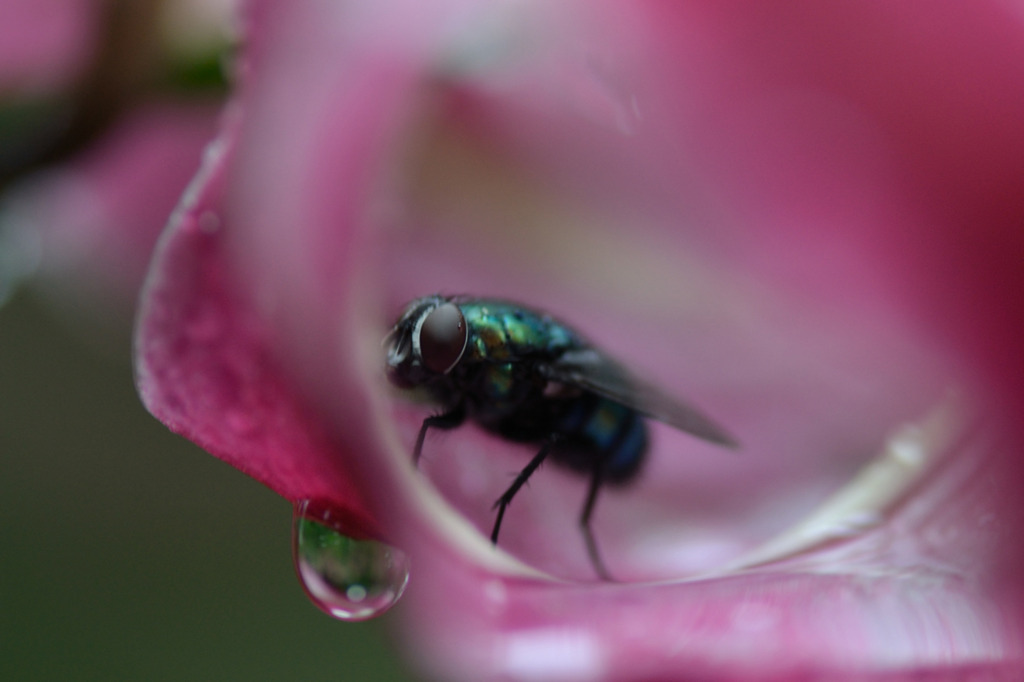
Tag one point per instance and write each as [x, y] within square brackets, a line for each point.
[596, 479]
[524, 475]
[444, 421]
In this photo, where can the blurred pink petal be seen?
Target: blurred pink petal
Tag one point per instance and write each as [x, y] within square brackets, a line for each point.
[44, 43]
[97, 217]
[802, 217]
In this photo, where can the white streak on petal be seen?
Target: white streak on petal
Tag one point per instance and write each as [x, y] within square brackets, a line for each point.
[551, 654]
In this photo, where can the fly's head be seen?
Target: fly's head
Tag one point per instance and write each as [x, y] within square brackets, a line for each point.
[426, 343]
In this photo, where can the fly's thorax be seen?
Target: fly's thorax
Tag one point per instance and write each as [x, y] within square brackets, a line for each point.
[503, 332]
[488, 340]
[488, 343]
[496, 390]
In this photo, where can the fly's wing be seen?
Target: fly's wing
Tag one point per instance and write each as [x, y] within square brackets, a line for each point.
[594, 372]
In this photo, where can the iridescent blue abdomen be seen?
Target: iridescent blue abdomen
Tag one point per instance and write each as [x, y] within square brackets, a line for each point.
[597, 427]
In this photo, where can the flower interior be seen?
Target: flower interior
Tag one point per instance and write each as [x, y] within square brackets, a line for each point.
[839, 405]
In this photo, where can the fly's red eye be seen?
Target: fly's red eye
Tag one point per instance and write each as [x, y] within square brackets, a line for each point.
[442, 338]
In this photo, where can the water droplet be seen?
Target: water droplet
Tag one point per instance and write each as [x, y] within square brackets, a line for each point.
[347, 577]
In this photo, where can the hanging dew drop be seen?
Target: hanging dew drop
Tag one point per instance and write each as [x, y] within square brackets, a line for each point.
[348, 578]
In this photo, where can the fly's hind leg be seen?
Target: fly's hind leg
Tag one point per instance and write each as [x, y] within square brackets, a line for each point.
[596, 479]
[444, 421]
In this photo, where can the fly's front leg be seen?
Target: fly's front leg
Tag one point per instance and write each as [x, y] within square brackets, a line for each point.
[444, 421]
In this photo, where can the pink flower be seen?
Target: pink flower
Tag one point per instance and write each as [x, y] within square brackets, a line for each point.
[103, 139]
[802, 217]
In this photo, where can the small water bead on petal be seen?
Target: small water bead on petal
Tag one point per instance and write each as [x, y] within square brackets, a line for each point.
[347, 577]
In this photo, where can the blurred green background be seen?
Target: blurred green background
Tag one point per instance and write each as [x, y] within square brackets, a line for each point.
[130, 554]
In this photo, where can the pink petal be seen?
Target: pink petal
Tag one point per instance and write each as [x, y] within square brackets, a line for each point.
[203, 367]
[44, 43]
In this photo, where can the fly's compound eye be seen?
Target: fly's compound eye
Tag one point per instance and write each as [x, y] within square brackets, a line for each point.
[442, 338]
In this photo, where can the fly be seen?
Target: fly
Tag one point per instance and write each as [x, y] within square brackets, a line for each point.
[530, 378]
